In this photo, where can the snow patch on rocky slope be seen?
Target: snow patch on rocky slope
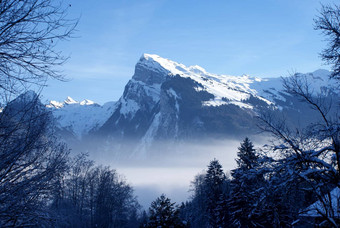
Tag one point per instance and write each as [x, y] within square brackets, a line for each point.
[80, 117]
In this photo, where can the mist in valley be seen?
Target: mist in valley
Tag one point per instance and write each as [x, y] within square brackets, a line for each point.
[170, 167]
[184, 114]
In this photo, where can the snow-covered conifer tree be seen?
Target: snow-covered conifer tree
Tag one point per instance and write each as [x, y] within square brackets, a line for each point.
[244, 185]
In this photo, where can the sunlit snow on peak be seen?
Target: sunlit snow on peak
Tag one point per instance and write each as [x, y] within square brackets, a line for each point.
[69, 100]
[55, 104]
[197, 69]
[226, 89]
[86, 102]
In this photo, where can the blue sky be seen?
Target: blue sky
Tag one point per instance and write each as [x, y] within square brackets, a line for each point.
[265, 38]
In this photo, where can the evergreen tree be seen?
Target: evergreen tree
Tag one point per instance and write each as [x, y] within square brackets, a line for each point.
[245, 186]
[198, 206]
[215, 188]
[246, 154]
[185, 213]
[163, 213]
[143, 219]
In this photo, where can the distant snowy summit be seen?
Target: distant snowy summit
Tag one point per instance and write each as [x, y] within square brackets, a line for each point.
[69, 101]
[80, 117]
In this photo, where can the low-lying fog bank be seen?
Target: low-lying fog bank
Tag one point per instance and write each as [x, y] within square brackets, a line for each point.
[171, 172]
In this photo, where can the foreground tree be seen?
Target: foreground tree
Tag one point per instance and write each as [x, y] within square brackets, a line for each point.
[308, 159]
[216, 192]
[328, 23]
[208, 206]
[247, 186]
[163, 213]
[310, 155]
[197, 207]
[115, 205]
[29, 32]
[31, 162]
[94, 196]
[246, 155]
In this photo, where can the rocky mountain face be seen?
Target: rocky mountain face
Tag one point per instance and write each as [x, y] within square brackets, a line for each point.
[167, 101]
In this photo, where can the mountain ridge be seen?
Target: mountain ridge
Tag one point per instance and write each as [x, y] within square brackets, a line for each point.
[79, 118]
[168, 101]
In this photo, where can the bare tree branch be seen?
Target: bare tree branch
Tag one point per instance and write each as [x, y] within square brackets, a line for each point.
[29, 33]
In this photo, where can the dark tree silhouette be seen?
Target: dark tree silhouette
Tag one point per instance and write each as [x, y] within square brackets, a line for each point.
[244, 185]
[246, 154]
[215, 189]
[31, 158]
[328, 23]
[29, 32]
[163, 213]
[310, 154]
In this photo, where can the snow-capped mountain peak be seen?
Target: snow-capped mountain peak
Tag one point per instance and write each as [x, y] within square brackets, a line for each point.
[158, 63]
[80, 117]
[226, 89]
[69, 100]
[55, 104]
[197, 69]
[86, 102]
[167, 100]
